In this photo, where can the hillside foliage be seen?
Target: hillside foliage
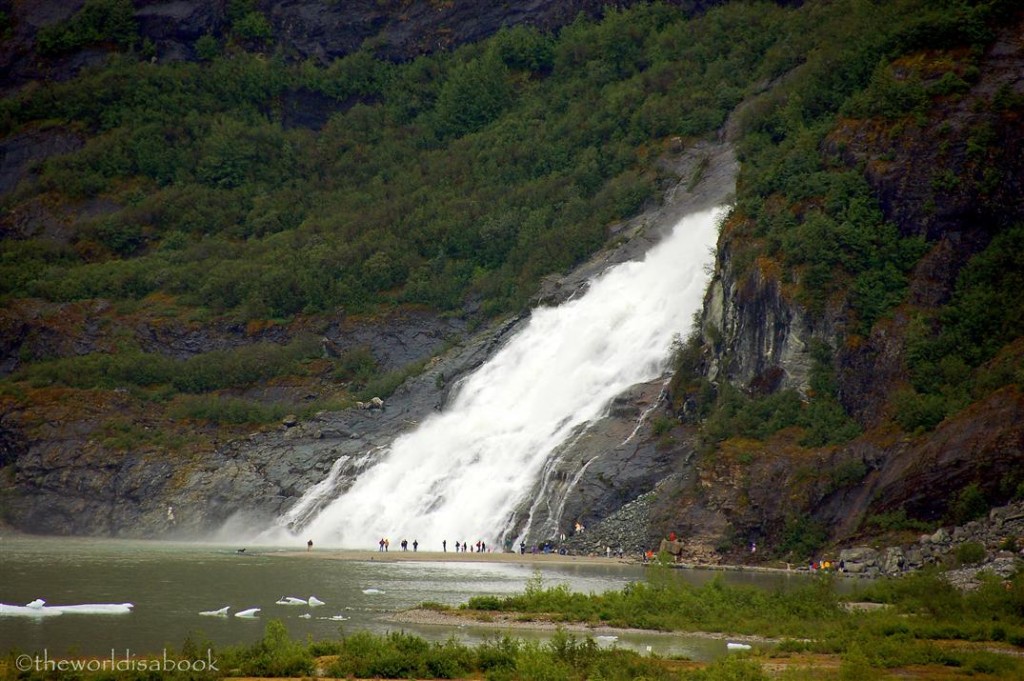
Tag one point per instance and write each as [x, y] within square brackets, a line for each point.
[249, 186]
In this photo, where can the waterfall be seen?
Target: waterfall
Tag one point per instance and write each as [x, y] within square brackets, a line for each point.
[462, 473]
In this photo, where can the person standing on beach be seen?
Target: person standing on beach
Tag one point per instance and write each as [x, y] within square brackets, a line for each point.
[415, 545]
[381, 543]
[444, 545]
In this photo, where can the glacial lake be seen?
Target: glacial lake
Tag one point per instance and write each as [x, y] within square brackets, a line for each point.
[171, 583]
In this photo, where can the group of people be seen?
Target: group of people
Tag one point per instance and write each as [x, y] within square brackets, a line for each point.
[827, 565]
[384, 544]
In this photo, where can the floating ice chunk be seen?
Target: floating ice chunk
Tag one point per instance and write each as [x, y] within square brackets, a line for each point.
[291, 600]
[248, 614]
[372, 591]
[314, 602]
[606, 637]
[223, 612]
[37, 608]
[334, 618]
[736, 646]
[26, 611]
[96, 608]
[305, 616]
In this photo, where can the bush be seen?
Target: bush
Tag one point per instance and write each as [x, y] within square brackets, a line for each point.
[98, 21]
[916, 412]
[896, 521]
[970, 503]
[227, 410]
[275, 655]
[207, 48]
[970, 553]
[802, 537]
[473, 95]
[253, 26]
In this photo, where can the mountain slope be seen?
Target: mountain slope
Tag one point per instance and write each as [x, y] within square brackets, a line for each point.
[198, 246]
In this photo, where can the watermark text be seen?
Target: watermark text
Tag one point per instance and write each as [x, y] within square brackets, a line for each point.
[117, 662]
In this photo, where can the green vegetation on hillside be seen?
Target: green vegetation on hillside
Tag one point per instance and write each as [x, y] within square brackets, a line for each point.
[808, 217]
[966, 350]
[255, 187]
[456, 177]
[97, 22]
[471, 173]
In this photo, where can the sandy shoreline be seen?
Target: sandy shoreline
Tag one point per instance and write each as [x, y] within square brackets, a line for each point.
[453, 557]
[517, 559]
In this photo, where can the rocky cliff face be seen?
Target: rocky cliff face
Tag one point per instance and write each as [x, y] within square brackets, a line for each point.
[67, 475]
[757, 337]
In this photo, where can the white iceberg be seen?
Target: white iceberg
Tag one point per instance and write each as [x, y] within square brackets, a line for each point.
[26, 611]
[223, 612]
[38, 608]
[736, 646]
[372, 591]
[335, 618]
[247, 614]
[291, 600]
[305, 616]
[314, 602]
[96, 608]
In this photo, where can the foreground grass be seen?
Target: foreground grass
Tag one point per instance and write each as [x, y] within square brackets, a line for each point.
[928, 630]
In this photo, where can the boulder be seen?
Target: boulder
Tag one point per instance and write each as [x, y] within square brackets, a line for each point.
[894, 560]
[859, 554]
[673, 547]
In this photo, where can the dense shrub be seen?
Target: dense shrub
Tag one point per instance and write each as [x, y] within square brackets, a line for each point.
[969, 504]
[99, 21]
[970, 553]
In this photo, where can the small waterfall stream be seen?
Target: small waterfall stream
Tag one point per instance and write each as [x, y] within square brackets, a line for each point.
[462, 473]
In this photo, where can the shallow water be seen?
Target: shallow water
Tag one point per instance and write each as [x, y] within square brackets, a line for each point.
[171, 583]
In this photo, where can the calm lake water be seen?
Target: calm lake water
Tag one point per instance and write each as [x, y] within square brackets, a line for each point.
[171, 583]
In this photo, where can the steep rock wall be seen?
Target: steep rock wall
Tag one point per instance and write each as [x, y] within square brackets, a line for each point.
[756, 337]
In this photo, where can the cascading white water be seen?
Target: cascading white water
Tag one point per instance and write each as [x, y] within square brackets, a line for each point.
[461, 474]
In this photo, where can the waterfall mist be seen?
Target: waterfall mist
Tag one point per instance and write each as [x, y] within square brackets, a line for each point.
[463, 472]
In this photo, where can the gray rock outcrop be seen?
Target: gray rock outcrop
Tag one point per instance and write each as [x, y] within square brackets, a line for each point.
[1000, 535]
